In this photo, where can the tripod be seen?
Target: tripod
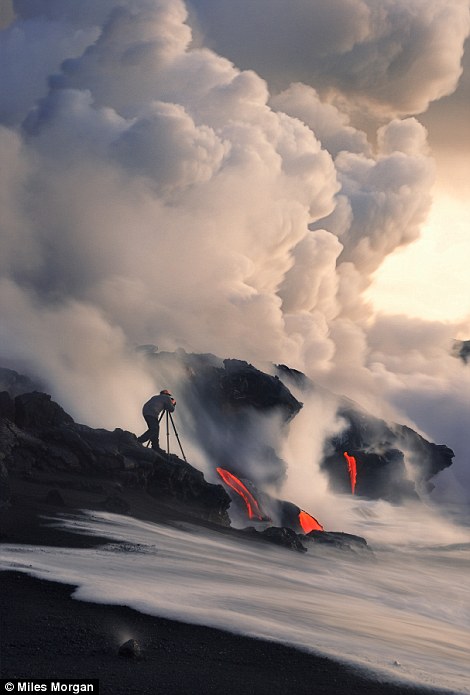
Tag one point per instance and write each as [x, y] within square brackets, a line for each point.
[168, 419]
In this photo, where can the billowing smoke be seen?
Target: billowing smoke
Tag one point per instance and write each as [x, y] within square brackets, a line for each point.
[391, 58]
[156, 192]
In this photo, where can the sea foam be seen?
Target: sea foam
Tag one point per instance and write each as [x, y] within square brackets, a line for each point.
[403, 613]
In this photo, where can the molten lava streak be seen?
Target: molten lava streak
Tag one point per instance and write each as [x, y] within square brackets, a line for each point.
[233, 482]
[309, 523]
[352, 468]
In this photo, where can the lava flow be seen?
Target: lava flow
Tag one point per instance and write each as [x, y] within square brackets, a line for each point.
[352, 468]
[309, 523]
[233, 482]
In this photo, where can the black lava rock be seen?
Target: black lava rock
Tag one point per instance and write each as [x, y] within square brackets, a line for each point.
[285, 537]
[36, 410]
[338, 539]
[130, 650]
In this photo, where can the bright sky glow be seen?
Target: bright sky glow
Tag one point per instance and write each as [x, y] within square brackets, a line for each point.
[430, 279]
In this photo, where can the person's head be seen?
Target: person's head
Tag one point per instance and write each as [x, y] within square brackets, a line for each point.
[165, 392]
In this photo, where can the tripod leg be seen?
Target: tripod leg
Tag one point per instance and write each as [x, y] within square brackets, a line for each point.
[177, 437]
[167, 434]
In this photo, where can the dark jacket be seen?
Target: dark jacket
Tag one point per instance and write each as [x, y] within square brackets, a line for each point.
[156, 404]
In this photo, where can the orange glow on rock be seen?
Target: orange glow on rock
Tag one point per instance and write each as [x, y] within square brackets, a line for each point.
[233, 482]
[352, 468]
[309, 523]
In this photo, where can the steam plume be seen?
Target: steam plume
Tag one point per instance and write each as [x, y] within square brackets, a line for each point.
[156, 192]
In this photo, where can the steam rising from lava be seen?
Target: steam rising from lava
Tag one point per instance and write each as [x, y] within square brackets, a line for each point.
[158, 193]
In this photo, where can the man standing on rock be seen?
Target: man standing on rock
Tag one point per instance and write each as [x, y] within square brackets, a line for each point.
[152, 411]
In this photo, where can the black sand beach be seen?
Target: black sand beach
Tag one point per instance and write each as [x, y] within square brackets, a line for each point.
[46, 633]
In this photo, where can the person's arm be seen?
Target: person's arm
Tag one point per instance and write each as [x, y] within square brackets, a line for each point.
[169, 404]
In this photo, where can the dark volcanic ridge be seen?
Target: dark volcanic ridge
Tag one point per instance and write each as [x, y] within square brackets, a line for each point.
[51, 464]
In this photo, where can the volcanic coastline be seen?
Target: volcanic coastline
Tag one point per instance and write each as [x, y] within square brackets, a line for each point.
[46, 633]
[52, 468]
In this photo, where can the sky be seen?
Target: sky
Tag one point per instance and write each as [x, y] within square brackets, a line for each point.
[438, 287]
[271, 181]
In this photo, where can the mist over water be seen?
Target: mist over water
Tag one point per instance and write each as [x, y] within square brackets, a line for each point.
[395, 613]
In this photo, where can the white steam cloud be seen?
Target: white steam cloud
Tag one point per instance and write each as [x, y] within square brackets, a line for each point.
[392, 58]
[155, 192]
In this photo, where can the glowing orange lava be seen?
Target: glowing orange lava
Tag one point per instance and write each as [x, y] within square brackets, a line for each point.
[237, 485]
[352, 468]
[309, 523]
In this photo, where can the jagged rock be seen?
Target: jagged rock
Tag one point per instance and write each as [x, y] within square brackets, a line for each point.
[59, 444]
[243, 384]
[75, 484]
[54, 498]
[338, 539]
[461, 348]
[287, 513]
[20, 450]
[7, 438]
[427, 458]
[16, 384]
[378, 449]
[7, 406]
[236, 390]
[378, 475]
[293, 375]
[285, 537]
[5, 491]
[178, 480]
[23, 451]
[288, 538]
[36, 410]
[280, 513]
[130, 650]
[229, 400]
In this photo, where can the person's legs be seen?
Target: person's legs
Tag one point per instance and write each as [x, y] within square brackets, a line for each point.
[153, 432]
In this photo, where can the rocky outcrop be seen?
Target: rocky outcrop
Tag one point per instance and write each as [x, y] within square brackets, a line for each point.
[178, 480]
[130, 650]
[231, 385]
[239, 415]
[16, 384]
[286, 537]
[233, 404]
[7, 406]
[338, 540]
[393, 461]
[283, 536]
[241, 384]
[379, 449]
[4, 486]
[37, 435]
[461, 348]
[35, 411]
